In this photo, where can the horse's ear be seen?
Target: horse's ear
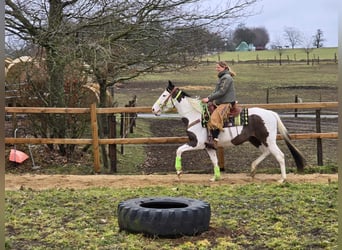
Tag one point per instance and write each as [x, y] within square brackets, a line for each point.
[171, 86]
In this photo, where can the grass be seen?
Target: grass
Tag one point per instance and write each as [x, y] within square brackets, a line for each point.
[269, 216]
[311, 83]
[287, 54]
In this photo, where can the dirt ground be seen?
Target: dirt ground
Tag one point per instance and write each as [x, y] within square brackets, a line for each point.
[41, 182]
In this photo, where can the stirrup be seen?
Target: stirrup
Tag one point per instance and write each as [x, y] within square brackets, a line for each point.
[212, 145]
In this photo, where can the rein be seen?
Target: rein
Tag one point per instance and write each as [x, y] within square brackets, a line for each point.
[205, 116]
[174, 94]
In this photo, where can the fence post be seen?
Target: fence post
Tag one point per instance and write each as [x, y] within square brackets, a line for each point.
[319, 140]
[296, 110]
[220, 156]
[132, 116]
[112, 147]
[95, 136]
[122, 130]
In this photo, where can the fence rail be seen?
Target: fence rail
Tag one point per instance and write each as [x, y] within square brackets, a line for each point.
[145, 140]
[43, 110]
[95, 141]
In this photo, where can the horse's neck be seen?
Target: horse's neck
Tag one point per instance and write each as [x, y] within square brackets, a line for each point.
[188, 107]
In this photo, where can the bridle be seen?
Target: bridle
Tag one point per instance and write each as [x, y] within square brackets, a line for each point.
[174, 94]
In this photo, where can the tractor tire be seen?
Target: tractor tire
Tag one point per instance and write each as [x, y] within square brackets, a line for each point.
[164, 216]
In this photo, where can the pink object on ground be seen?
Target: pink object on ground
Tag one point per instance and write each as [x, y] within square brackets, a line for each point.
[17, 156]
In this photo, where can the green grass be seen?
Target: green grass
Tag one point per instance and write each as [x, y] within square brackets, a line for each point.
[255, 216]
[311, 83]
[287, 54]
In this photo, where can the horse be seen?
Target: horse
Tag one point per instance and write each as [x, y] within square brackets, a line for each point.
[260, 131]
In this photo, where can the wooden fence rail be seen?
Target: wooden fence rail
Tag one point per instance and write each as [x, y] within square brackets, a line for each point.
[43, 110]
[95, 141]
[145, 140]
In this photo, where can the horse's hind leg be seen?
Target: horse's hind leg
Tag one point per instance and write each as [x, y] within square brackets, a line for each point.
[279, 155]
[265, 152]
[213, 157]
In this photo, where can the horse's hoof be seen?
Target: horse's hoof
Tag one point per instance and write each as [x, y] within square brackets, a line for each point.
[179, 173]
[251, 174]
[282, 181]
[215, 179]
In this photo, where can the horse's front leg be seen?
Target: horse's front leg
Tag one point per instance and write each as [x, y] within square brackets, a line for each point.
[213, 157]
[179, 152]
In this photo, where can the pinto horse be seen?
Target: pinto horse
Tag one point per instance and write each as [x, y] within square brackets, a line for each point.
[261, 131]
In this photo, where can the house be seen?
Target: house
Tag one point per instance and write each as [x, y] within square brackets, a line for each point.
[243, 46]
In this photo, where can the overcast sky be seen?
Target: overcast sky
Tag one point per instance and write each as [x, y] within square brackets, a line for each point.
[305, 15]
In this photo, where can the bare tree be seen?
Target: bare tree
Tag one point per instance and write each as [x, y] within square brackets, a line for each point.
[119, 40]
[277, 45]
[293, 36]
[307, 45]
[318, 39]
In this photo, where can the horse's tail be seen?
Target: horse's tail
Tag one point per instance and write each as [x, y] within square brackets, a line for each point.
[297, 155]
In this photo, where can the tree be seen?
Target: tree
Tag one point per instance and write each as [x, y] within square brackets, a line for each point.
[277, 45]
[118, 40]
[318, 39]
[307, 45]
[293, 36]
[261, 37]
[257, 36]
[242, 33]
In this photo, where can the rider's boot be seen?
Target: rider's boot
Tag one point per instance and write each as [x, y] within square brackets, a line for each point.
[212, 138]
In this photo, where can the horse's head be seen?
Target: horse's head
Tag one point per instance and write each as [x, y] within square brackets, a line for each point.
[164, 102]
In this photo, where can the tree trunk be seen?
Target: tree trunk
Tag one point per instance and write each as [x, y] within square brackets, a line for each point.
[103, 125]
[57, 97]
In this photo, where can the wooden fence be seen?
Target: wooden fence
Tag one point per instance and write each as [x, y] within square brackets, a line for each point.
[95, 141]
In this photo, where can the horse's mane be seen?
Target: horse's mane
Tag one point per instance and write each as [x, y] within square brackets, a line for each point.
[185, 94]
[196, 104]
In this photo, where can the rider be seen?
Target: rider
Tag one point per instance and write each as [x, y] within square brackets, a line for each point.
[223, 97]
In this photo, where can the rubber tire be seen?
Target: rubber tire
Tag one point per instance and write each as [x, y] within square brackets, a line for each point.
[164, 216]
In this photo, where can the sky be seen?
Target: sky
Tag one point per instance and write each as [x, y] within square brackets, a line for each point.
[304, 15]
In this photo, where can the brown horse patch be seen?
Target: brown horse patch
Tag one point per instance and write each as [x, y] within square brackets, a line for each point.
[255, 132]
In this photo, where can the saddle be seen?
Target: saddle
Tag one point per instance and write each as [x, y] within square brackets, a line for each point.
[237, 115]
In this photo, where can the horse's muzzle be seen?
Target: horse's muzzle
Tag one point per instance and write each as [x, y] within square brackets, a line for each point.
[156, 113]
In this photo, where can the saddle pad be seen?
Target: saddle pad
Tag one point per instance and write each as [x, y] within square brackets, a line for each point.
[239, 120]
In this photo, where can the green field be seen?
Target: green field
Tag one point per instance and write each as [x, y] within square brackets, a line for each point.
[254, 216]
[311, 82]
[287, 54]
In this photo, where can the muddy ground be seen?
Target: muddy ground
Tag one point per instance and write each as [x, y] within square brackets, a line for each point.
[40, 182]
